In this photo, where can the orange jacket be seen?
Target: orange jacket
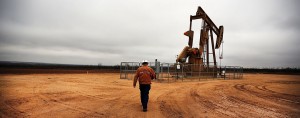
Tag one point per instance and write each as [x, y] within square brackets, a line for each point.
[144, 74]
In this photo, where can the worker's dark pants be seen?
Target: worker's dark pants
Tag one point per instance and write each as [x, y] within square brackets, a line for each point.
[145, 88]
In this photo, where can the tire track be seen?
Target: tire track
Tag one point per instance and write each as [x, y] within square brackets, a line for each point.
[48, 98]
[283, 96]
[8, 109]
[168, 105]
[268, 94]
[285, 104]
[208, 105]
[221, 104]
[254, 106]
[170, 109]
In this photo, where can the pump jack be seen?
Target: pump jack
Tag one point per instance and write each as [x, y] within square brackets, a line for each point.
[196, 56]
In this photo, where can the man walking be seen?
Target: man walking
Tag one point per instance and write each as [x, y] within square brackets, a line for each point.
[144, 74]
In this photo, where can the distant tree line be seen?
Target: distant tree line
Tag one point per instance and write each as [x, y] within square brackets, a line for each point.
[272, 70]
[34, 65]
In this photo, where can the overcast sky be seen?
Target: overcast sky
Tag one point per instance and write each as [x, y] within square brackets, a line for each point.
[257, 33]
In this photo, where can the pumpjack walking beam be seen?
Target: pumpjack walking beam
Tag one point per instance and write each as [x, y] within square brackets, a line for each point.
[200, 14]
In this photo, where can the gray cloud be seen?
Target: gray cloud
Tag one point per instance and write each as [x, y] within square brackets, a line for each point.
[257, 33]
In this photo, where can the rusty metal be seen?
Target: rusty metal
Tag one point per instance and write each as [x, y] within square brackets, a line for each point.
[212, 44]
[190, 34]
[195, 55]
[220, 37]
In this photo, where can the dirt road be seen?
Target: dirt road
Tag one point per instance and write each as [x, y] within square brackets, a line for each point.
[105, 95]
